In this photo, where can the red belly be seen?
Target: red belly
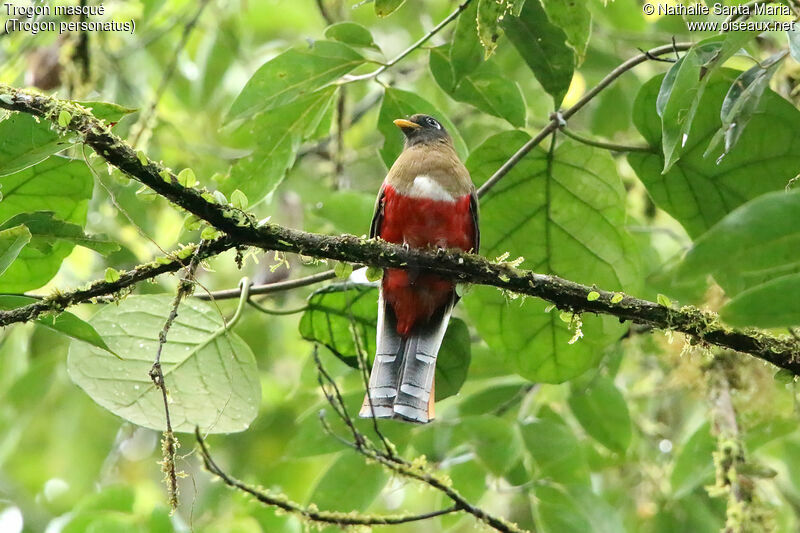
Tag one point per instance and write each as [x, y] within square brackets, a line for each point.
[422, 223]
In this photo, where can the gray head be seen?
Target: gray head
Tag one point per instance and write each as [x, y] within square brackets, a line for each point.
[422, 129]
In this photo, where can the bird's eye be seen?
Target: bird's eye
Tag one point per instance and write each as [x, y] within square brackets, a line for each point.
[433, 123]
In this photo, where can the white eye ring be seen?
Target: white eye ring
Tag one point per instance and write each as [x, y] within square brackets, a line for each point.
[435, 124]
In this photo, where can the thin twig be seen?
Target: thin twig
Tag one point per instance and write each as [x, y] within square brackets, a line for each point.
[585, 99]
[397, 464]
[383, 68]
[614, 147]
[277, 312]
[324, 12]
[170, 442]
[270, 288]
[310, 512]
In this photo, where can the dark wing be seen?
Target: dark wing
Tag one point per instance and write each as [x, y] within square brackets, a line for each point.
[473, 209]
[377, 217]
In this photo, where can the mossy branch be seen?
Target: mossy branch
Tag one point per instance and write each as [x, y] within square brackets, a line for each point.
[242, 230]
[59, 301]
[310, 512]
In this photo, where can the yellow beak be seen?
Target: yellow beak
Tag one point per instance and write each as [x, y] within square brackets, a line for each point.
[404, 124]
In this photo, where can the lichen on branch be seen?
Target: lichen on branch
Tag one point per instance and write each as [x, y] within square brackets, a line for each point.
[242, 230]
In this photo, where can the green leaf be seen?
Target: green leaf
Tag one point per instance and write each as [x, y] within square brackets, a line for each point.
[556, 452]
[46, 230]
[64, 118]
[452, 364]
[683, 87]
[465, 50]
[340, 310]
[187, 178]
[488, 23]
[384, 8]
[239, 199]
[602, 411]
[363, 482]
[574, 19]
[59, 185]
[698, 192]
[25, 140]
[12, 241]
[111, 275]
[543, 47]
[398, 104]
[484, 88]
[574, 205]
[294, 74]
[693, 465]
[573, 509]
[64, 322]
[352, 34]
[753, 244]
[277, 135]
[769, 305]
[496, 441]
[794, 42]
[210, 373]
[742, 101]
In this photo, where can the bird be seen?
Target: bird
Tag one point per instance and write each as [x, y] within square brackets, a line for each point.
[426, 201]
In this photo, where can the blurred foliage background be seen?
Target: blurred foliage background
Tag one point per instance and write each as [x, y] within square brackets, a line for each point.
[616, 432]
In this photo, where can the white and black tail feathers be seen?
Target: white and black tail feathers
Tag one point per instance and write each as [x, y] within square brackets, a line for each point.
[401, 383]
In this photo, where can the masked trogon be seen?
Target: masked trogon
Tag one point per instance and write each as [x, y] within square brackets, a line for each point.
[427, 201]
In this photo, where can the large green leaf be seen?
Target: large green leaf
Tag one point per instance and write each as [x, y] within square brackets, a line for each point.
[26, 140]
[769, 305]
[484, 88]
[698, 191]
[399, 104]
[693, 464]
[565, 215]
[210, 373]
[556, 452]
[293, 74]
[276, 135]
[59, 185]
[46, 230]
[64, 322]
[601, 410]
[755, 243]
[12, 241]
[362, 479]
[340, 315]
[573, 509]
[543, 46]
[496, 441]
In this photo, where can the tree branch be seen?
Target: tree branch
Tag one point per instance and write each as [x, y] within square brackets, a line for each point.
[557, 120]
[383, 68]
[242, 230]
[59, 301]
[326, 517]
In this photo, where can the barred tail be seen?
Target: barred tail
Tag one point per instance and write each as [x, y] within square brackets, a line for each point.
[402, 381]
